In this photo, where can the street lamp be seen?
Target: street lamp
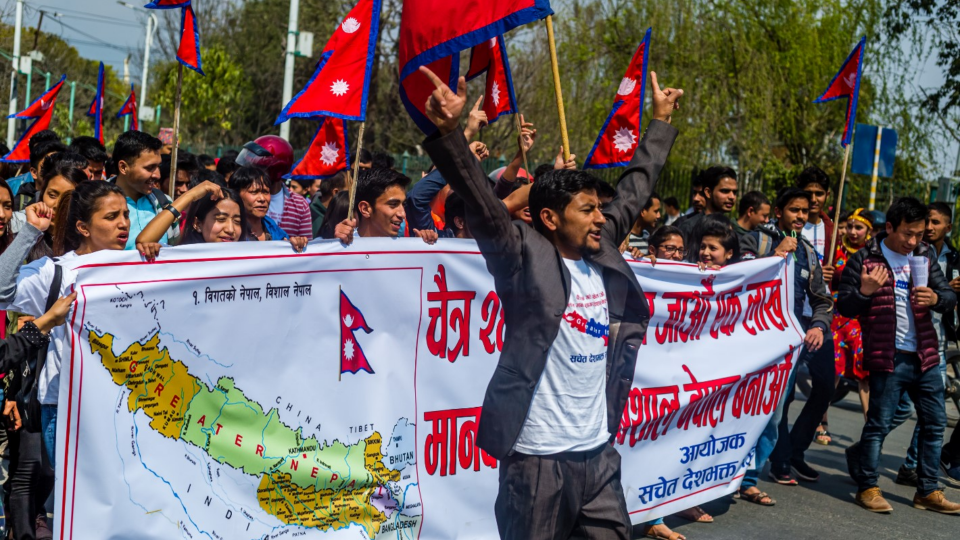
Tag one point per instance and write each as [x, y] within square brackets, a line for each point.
[152, 25]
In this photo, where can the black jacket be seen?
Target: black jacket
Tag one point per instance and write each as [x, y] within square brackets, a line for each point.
[17, 349]
[534, 283]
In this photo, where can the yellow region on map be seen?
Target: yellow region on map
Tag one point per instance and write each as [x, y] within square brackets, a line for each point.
[301, 481]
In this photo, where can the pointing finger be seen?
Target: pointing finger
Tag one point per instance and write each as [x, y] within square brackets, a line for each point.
[653, 81]
[432, 76]
[476, 106]
[462, 87]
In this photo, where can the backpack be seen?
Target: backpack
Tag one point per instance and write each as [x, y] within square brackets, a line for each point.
[27, 398]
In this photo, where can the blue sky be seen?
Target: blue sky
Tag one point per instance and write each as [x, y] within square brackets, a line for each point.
[107, 31]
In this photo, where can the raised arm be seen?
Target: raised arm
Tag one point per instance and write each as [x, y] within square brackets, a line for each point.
[487, 216]
[158, 226]
[38, 220]
[419, 198]
[640, 177]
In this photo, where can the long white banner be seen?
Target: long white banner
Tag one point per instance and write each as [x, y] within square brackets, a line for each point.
[247, 392]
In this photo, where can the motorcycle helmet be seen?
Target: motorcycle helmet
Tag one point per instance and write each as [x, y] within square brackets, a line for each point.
[269, 152]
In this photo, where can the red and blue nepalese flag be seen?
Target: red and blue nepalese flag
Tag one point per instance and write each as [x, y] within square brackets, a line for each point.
[188, 53]
[490, 57]
[130, 109]
[352, 357]
[42, 110]
[340, 86]
[620, 133]
[167, 4]
[329, 152]
[433, 32]
[846, 84]
[96, 108]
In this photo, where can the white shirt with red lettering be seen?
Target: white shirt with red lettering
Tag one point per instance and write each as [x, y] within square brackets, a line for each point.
[569, 408]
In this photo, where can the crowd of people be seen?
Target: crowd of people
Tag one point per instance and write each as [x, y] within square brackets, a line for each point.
[865, 319]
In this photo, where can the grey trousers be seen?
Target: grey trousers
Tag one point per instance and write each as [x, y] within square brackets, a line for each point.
[561, 496]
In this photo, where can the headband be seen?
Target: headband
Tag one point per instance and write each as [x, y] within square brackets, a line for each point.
[856, 216]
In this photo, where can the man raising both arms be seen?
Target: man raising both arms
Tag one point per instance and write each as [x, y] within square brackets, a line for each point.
[548, 416]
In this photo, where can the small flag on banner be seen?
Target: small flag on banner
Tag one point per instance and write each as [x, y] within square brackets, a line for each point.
[329, 152]
[42, 110]
[621, 131]
[96, 108]
[846, 84]
[490, 57]
[352, 358]
[130, 109]
[339, 86]
[188, 53]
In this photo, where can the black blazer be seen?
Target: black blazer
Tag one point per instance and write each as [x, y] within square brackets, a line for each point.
[534, 284]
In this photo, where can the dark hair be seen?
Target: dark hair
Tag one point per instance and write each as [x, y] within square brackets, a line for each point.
[813, 175]
[337, 181]
[542, 170]
[844, 217]
[74, 206]
[650, 200]
[199, 210]
[788, 194]
[365, 157]
[90, 148]
[382, 160]
[719, 227]
[227, 165]
[206, 175]
[712, 176]
[606, 190]
[69, 165]
[206, 160]
[229, 154]
[661, 235]
[371, 183]
[941, 207]
[672, 202]
[185, 162]
[42, 149]
[453, 207]
[304, 184]
[752, 199]
[132, 143]
[336, 212]
[245, 177]
[906, 210]
[555, 190]
[7, 234]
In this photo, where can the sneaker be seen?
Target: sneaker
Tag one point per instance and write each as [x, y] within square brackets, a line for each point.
[934, 502]
[803, 471]
[872, 499]
[782, 478]
[907, 476]
[853, 460]
[950, 475]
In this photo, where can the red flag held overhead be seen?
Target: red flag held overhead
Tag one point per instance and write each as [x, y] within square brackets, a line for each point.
[490, 57]
[188, 53]
[42, 110]
[130, 109]
[167, 4]
[328, 154]
[96, 108]
[846, 84]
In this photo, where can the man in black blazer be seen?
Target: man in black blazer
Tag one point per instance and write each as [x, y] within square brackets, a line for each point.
[575, 317]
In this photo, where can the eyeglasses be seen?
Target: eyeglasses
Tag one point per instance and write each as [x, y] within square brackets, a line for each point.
[670, 250]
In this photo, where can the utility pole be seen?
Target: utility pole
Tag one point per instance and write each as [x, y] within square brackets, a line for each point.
[288, 64]
[12, 123]
[152, 25]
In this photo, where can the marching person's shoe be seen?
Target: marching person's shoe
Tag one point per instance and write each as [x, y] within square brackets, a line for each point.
[907, 476]
[872, 500]
[936, 502]
[950, 475]
[803, 471]
[782, 478]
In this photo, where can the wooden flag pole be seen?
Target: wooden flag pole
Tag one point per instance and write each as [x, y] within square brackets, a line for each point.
[356, 172]
[556, 86]
[523, 151]
[836, 213]
[176, 132]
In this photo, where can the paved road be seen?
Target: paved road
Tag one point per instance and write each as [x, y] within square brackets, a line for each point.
[825, 510]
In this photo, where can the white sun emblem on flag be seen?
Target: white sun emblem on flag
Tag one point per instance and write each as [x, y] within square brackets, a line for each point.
[351, 25]
[339, 87]
[624, 139]
[348, 349]
[495, 94]
[626, 86]
[328, 155]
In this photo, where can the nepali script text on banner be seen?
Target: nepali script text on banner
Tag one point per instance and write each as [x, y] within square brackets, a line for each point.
[247, 392]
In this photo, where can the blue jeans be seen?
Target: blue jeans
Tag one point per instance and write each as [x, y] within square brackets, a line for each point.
[48, 428]
[886, 390]
[768, 439]
[904, 412]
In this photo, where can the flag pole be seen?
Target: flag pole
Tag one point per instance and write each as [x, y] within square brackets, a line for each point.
[556, 86]
[523, 151]
[340, 288]
[176, 132]
[836, 213]
[356, 171]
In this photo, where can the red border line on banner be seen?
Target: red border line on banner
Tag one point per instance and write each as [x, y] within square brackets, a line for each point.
[732, 480]
[76, 440]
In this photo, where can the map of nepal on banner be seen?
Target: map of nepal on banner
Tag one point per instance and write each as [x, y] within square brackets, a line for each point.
[621, 131]
[846, 84]
[433, 32]
[328, 154]
[41, 110]
[490, 57]
[339, 86]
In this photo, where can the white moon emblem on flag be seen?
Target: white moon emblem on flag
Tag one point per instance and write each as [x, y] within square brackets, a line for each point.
[339, 87]
[328, 155]
[626, 86]
[350, 25]
[624, 139]
[495, 94]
